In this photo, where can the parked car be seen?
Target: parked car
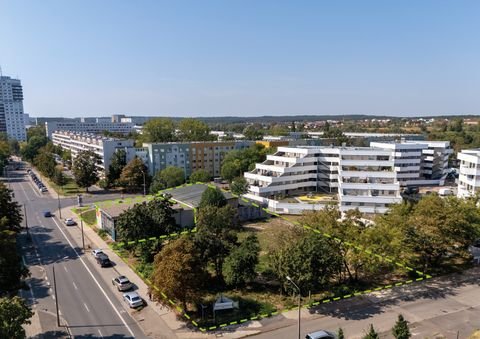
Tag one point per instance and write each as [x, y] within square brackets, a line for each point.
[97, 252]
[411, 190]
[444, 192]
[47, 214]
[103, 260]
[133, 299]
[70, 222]
[322, 334]
[122, 283]
[43, 189]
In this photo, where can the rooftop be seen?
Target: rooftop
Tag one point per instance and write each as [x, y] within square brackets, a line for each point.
[191, 195]
[115, 208]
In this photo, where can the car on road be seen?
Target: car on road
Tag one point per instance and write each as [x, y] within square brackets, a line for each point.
[47, 214]
[70, 222]
[43, 189]
[122, 283]
[97, 252]
[133, 299]
[103, 260]
[322, 334]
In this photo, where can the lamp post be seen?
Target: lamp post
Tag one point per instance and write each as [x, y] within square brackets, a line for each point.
[144, 184]
[299, 302]
[59, 207]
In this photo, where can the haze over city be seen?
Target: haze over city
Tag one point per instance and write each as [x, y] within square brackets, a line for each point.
[216, 58]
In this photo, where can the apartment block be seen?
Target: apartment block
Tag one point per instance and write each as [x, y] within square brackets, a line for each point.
[191, 156]
[469, 173]
[102, 146]
[12, 119]
[97, 125]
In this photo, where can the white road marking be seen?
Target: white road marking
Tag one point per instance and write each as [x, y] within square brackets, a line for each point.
[65, 268]
[29, 286]
[94, 279]
[100, 333]
[75, 286]
[88, 310]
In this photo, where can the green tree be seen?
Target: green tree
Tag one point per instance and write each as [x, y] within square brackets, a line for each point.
[14, 313]
[401, 330]
[45, 162]
[179, 270]
[133, 175]
[216, 234]
[30, 150]
[231, 169]
[159, 130]
[340, 334]
[58, 177]
[212, 197]
[200, 176]
[279, 130]
[239, 186]
[237, 162]
[85, 169]
[239, 266]
[36, 131]
[169, 177]
[117, 163]
[372, 334]
[253, 132]
[4, 155]
[146, 220]
[193, 130]
[10, 211]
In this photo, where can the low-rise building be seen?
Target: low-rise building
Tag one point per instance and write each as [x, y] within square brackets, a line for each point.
[97, 125]
[469, 173]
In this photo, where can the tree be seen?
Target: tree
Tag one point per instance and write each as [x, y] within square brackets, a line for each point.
[401, 330]
[239, 186]
[146, 220]
[14, 313]
[193, 130]
[45, 162]
[238, 161]
[231, 169]
[216, 234]
[117, 163]
[133, 174]
[158, 130]
[32, 147]
[253, 132]
[58, 177]
[212, 197]
[279, 130]
[372, 334]
[85, 169]
[10, 211]
[179, 270]
[340, 334]
[169, 177]
[36, 131]
[200, 176]
[239, 266]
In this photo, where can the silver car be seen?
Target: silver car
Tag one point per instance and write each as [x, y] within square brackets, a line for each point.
[133, 299]
[122, 283]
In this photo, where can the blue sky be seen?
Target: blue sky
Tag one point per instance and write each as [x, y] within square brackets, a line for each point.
[199, 58]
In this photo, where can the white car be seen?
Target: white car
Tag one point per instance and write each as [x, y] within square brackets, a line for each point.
[133, 299]
[96, 253]
[70, 222]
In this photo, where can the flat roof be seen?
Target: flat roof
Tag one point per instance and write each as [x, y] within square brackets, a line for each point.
[115, 208]
[191, 195]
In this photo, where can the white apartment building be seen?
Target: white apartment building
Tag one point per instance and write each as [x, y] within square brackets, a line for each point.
[367, 178]
[469, 173]
[102, 146]
[12, 120]
[97, 126]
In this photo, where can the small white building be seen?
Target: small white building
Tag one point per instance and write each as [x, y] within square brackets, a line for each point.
[469, 173]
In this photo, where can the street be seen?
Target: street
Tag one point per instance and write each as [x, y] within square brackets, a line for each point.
[87, 305]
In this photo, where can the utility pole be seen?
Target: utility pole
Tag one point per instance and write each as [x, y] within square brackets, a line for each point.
[56, 296]
[25, 215]
[299, 303]
[144, 184]
[59, 207]
[83, 238]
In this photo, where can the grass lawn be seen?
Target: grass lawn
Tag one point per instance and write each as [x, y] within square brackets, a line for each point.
[70, 188]
[90, 217]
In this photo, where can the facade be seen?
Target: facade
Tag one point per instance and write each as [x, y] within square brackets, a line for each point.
[367, 178]
[98, 125]
[102, 146]
[469, 173]
[12, 119]
[191, 156]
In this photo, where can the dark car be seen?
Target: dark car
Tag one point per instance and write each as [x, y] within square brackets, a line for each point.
[411, 190]
[103, 260]
[47, 214]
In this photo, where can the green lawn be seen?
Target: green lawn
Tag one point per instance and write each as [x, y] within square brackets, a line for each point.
[90, 217]
[70, 188]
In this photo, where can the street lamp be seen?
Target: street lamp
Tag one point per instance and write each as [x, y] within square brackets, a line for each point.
[144, 184]
[299, 302]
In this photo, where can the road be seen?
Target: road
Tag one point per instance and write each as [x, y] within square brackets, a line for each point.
[88, 306]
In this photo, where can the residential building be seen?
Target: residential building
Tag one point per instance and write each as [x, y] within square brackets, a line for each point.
[97, 126]
[469, 173]
[102, 146]
[191, 156]
[367, 178]
[12, 119]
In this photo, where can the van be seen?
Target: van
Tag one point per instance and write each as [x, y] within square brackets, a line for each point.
[444, 192]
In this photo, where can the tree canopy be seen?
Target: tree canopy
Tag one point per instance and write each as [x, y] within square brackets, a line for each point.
[159, 130]
[212, 197]
[239, 186]
[14, 313]
[200, 176]
[117, 163]
[85, 169]
[401, 330]
[169, 177]
[237, 162]
[190, 129]
[133, 175]
[239, 266]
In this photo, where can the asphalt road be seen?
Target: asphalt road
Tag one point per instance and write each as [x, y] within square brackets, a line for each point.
[88, 306]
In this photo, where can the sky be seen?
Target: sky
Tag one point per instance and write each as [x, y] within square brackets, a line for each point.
[243, 58]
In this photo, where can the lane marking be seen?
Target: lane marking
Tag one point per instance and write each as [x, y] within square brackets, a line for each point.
[88, 310]
[75, 286]
[65, 268]
[94, 279]
[100, 333]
